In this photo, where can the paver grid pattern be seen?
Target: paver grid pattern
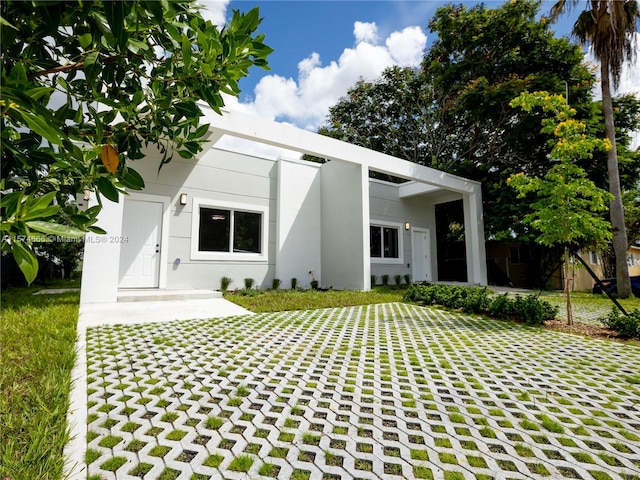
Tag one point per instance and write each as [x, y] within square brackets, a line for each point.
[380, 391]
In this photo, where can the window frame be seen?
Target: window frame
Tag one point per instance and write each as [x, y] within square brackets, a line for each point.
[197, 254]
[388, 260]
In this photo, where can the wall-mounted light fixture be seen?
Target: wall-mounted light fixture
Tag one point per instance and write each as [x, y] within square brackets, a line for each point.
[183, 199]
[86, 194]
[407, 225]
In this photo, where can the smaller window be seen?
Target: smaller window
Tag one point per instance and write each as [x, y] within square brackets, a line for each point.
[225, 231]
[384, 242]
[594, 259]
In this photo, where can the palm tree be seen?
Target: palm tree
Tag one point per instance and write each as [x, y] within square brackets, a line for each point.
[608, 26]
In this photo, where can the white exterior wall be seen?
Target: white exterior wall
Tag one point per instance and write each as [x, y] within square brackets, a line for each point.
[220, 177]
[298, 239]
[100, 270]
[386, 207]
[345, 226]
[317, 218]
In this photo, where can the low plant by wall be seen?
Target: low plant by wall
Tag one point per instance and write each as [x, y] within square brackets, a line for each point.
[528, 309]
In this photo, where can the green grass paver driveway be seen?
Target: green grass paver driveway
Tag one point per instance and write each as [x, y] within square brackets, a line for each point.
[381, 391]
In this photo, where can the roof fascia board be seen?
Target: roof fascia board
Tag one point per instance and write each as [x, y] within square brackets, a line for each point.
[260, 130]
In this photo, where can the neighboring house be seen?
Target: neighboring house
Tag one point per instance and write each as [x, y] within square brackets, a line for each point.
[509, 265]
[582, 281]
[236, 215]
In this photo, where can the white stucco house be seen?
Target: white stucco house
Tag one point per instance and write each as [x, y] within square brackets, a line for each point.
[229, 214]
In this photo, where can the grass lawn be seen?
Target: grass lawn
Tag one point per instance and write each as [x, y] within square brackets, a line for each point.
[37, 338]
[262, 301]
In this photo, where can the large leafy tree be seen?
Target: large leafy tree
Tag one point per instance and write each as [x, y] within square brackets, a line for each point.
[482, 59]
[454, 113]
[87, 86]
[399, 114]
[608, 27]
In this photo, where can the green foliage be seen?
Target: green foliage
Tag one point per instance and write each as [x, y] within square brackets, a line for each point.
[470, 299]
[385, 279]
[294, 283]
[275, 284]
[500, 307]
[397, 279]
[84, 90]
[248, 283]
[529, 309]
[224, 283]
[627, 326]
[568, 203]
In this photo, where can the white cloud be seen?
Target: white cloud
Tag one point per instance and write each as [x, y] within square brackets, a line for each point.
[305, 100]
[407, 46]
[214, 10]
[365, 32]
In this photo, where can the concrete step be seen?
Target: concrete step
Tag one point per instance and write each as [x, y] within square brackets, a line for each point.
[158, 295]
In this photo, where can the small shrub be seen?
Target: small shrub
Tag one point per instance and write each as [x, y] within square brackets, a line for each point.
[314, 284]
[374, 280]
[398, 279]
[224, 283]
[500, 307]
[294, 283]
[248, 283]
[532, 310]
[385, 279]
[475, 300]
[627, 326]
[407, 278]
[275, 284]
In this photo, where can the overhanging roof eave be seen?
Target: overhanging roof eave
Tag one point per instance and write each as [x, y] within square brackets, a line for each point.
[285, 136]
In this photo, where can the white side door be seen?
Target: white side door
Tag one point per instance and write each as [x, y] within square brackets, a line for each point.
[421, 254]
[140, 249]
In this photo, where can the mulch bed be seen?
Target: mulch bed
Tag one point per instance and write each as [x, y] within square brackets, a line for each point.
[586, 329]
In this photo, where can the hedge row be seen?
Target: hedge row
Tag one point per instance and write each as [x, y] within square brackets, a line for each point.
[528, 309]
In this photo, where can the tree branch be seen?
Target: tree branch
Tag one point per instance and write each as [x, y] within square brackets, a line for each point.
[70, 67]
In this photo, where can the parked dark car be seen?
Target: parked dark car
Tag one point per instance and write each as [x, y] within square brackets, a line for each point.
[611, 286]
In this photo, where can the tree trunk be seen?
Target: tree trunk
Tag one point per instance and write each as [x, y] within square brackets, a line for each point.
[567, 285]
[616, 208]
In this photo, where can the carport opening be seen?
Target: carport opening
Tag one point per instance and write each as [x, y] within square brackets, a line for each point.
[450, 240]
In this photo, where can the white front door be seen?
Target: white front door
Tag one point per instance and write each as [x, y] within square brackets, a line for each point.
[421, 254]
[140, 249]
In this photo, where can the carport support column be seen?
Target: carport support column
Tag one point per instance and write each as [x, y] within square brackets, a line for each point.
[474, 238]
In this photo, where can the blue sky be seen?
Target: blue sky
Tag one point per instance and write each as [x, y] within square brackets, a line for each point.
[296, 28]
[323, 47]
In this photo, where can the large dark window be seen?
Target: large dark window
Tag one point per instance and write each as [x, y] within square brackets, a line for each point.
[216, 234]
[384, 242]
